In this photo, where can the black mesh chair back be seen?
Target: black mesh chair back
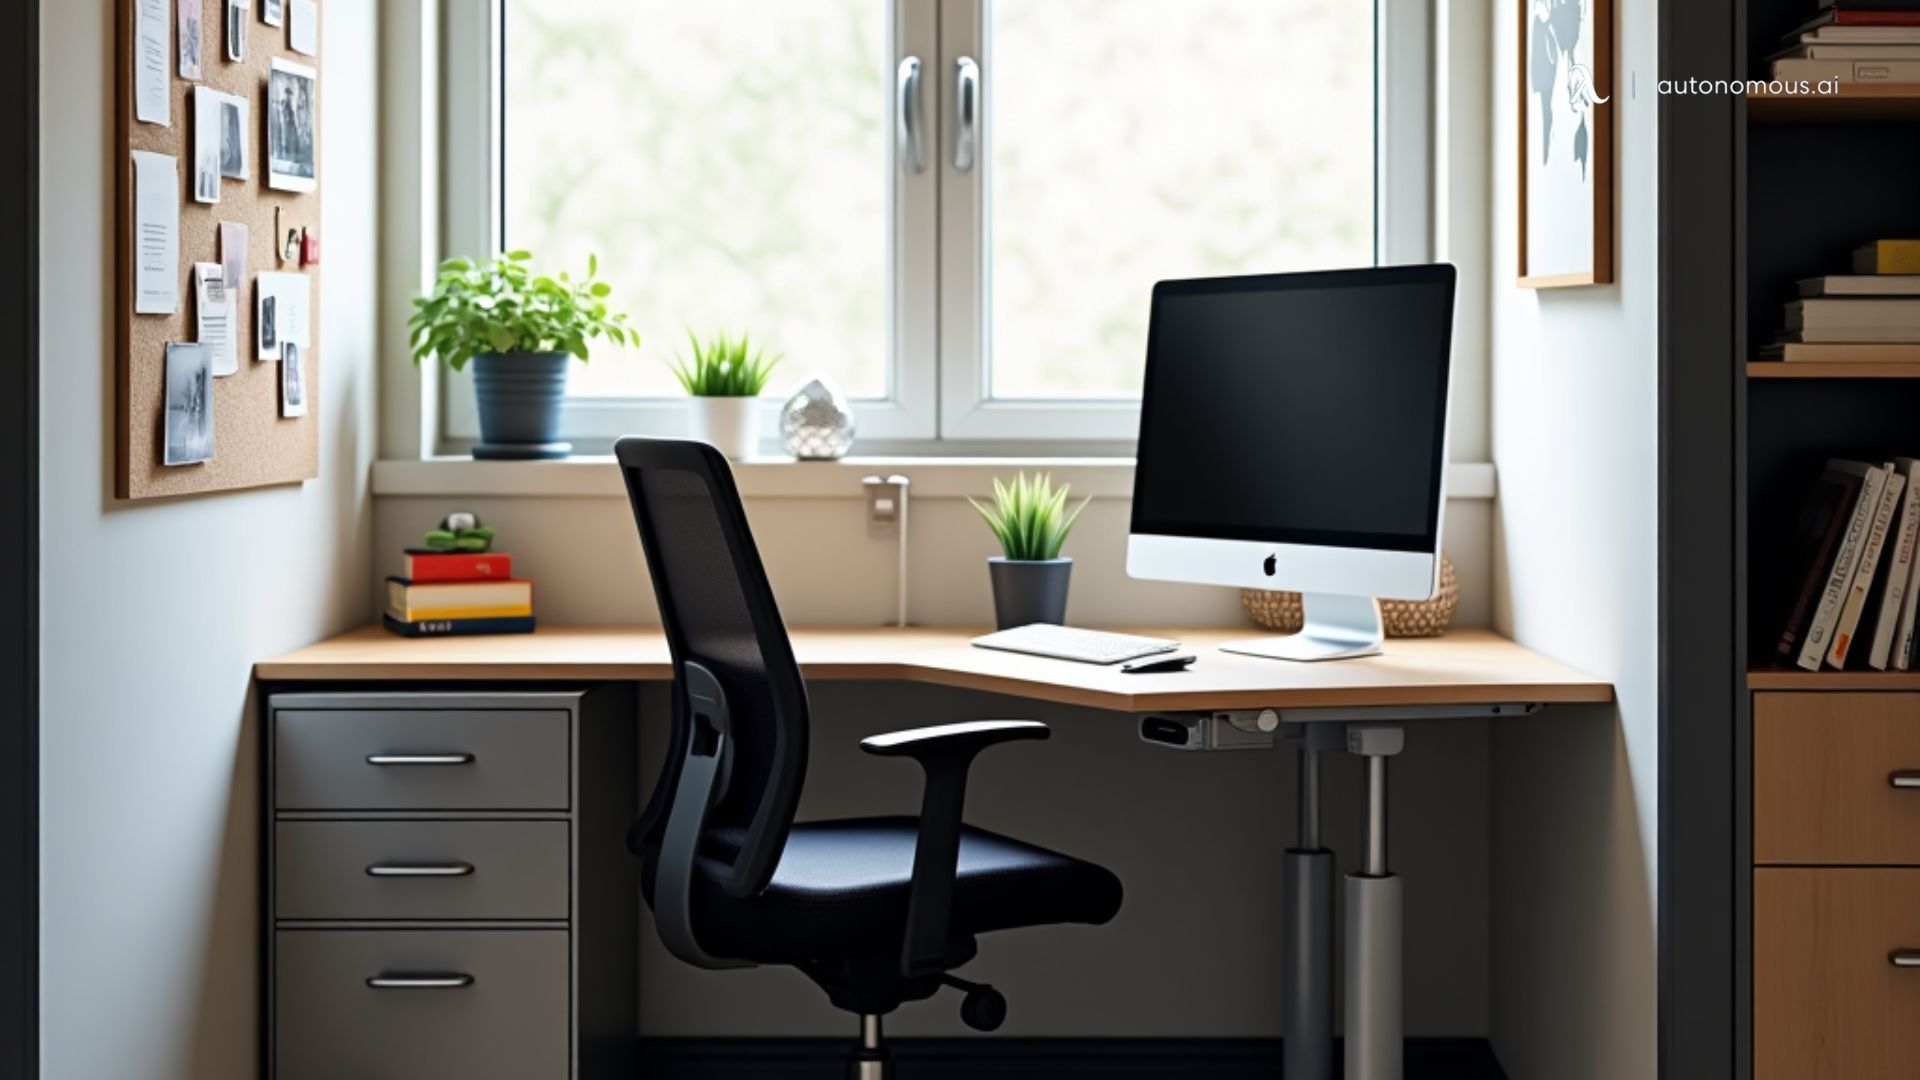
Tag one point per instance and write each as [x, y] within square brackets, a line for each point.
[720, 621]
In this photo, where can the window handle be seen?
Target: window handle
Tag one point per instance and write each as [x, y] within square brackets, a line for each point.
[966, 103]
[912, 140]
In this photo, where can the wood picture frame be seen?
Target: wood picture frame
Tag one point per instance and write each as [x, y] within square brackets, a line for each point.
[1564, 176]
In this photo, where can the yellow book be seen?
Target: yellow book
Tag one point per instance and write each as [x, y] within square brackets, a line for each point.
[1888, 257]
[410, 601]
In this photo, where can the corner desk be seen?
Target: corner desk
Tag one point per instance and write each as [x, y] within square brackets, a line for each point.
[1223, 702]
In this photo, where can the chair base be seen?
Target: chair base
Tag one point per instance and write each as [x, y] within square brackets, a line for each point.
[871, 1060]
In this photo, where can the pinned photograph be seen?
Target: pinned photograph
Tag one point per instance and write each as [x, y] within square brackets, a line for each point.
[206, 144]
[293, 381]
[189, 426]
[237, 30]
[273, 12]
[291, 132]
[188, 38]
[233, 136]
[269, 331]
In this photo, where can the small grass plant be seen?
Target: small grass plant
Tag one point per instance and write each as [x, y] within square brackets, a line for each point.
[1030, 517]
[723, 366]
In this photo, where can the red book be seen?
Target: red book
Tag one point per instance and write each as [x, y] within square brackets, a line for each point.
[1845, 17]
[457, 566]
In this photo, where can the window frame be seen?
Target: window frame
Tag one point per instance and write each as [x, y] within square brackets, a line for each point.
[938, 400]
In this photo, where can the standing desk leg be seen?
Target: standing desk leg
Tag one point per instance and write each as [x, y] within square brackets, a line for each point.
[1308, 958]
[1373, 947]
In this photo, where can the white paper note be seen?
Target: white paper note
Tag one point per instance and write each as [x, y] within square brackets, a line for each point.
[213, 316]
[152, 64]
[156, 233]
[303, 27]
[282, 313]
[206, 144]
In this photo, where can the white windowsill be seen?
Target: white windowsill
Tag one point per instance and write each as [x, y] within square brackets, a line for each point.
[594, 476]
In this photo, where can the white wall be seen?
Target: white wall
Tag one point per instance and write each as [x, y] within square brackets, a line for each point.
[153, 613]
[585, 561]
[1575, 405]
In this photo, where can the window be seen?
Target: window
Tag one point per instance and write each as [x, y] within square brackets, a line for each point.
[954, 208]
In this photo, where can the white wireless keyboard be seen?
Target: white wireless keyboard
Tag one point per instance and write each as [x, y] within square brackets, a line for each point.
[1067, 643]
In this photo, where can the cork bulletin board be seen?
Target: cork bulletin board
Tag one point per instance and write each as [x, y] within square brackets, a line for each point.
[253, 444]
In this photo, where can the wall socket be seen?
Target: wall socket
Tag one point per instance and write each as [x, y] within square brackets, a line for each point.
[886, 504]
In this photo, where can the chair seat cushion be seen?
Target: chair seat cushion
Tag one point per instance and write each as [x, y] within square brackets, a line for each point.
[841, 888]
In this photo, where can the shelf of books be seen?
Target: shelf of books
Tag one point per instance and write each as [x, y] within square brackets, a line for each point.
[1832, 278]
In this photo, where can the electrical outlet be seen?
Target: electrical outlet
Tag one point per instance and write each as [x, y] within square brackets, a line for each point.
[886, 503]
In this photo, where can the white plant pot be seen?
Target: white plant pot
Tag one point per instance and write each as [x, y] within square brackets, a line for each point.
[731, 424]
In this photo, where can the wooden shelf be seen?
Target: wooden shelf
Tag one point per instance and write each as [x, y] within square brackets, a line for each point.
[1779, 369]
[1777, 679]
[1869, 103]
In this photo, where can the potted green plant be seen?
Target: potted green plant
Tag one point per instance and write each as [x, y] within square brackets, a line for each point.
[520, 329]
[1030, 576]
[723, 378]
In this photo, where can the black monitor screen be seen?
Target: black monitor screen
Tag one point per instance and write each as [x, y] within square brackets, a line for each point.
[1297, 408]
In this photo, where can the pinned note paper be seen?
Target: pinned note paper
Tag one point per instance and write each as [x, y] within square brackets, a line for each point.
[156, 233]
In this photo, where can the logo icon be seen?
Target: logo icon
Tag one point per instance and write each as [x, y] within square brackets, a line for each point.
[1272, 563]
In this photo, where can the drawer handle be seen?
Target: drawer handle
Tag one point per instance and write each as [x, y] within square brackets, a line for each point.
[1904, 958]
[1904, 778]
[419, 759]
[421, 982]
[458, 869]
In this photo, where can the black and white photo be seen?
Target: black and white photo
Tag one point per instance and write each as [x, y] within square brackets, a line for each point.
[293, 381]
[233, 136]
[291, 131]
[269, 333]
[188, 38]
[189, 425]
[273, 12]
[237, 31]
[206, 144]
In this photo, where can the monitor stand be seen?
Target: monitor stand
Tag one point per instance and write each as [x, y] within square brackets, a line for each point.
[1335, 628]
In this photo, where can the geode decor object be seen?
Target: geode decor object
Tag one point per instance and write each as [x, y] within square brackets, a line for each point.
[816, 424]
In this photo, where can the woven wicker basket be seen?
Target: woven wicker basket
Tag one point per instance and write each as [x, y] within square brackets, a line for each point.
[1402, 618]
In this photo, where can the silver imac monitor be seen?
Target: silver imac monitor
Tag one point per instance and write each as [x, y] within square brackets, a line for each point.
[1293, 435]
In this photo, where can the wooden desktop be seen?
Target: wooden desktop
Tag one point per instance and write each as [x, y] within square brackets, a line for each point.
[1462, 667]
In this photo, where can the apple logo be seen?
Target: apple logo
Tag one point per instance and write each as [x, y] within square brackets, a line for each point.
[1273, 562]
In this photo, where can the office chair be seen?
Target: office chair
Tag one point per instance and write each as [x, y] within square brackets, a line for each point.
[877, 911]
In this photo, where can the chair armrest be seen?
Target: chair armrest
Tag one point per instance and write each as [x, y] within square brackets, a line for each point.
[945, 752]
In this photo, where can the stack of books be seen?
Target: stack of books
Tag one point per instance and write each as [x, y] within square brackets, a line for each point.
[1854, 41]
[1869, 316]
[442, 593]
[1851, 601]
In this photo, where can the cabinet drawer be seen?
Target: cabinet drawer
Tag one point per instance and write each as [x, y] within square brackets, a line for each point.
[420, 759]
[492, 1005]
[1828, 999]
[421, 869]
[1823, 778]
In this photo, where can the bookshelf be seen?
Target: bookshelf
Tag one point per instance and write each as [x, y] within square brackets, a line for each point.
[1815, 178]
[1774, 369]
[1872, 103]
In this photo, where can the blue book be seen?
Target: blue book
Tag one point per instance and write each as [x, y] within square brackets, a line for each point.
[522, 624]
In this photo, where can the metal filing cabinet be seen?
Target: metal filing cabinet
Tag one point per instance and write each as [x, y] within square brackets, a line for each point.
[448, 887]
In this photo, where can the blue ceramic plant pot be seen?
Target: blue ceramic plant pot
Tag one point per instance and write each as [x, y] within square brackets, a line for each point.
[520, 395]
[1029, 591]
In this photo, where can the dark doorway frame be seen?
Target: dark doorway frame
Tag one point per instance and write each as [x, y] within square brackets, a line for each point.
[19, 559]
[1703, 784]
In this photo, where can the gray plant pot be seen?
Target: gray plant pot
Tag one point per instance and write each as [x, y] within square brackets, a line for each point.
[520, 395]
[1028, 592]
